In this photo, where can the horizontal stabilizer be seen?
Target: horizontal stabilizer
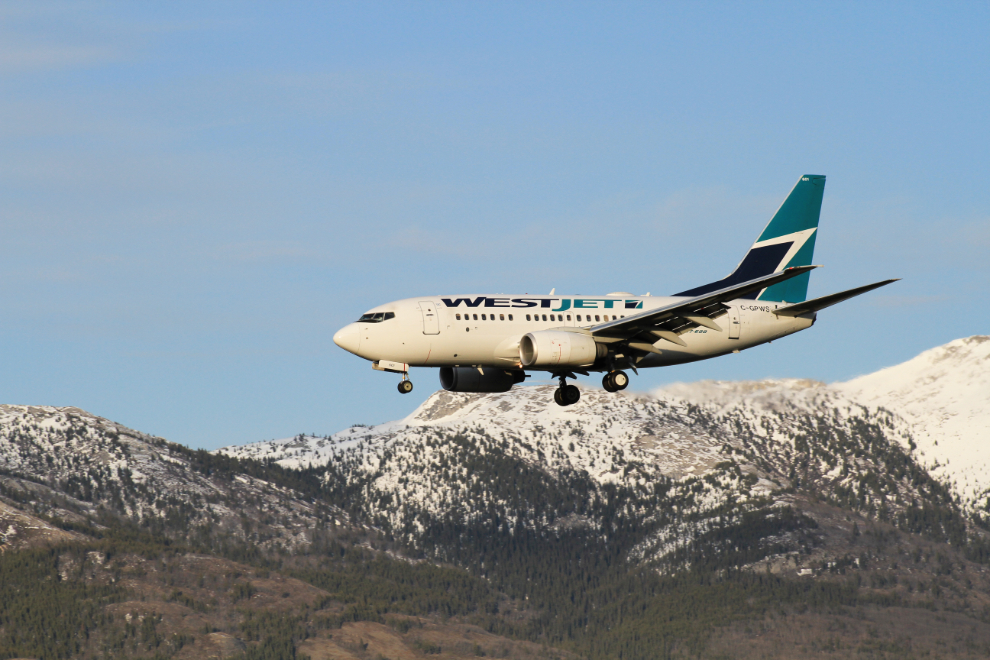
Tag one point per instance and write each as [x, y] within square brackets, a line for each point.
[810, 306]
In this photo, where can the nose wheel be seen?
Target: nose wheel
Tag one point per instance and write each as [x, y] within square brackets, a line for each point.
[405, 386]
[615, 381]
[566, 395]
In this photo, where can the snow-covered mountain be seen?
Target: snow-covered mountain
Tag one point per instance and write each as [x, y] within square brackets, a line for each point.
[647, 476]
[939, 403]
[680, 465]
[944, 397]
[71, 465]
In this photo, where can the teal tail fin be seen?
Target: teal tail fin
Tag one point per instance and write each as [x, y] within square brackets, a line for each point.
[788, 240]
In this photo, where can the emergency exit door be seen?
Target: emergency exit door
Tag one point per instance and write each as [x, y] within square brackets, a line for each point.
[431, 323]
[734, 323]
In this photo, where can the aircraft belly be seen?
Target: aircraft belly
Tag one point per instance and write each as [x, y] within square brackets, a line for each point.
[409, 349]
[767, 327]
[667, 359]
[701, 344]
[467, 347]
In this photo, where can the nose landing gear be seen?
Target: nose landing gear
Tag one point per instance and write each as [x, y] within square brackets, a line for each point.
[615, 381]
[566, 395]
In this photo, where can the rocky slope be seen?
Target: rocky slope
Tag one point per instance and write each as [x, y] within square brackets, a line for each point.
[66, 464]
[655, 475]
[937, 406]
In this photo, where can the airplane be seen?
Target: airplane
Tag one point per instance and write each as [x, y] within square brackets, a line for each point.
[488, 342]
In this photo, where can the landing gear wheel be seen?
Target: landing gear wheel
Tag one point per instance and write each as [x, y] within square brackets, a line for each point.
[615, 381]
[567, 395]
[405, 386]
[620, 379]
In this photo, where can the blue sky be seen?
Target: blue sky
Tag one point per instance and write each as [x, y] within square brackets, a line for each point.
[195, 196]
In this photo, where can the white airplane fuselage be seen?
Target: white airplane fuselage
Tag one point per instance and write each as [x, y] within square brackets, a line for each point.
[429, 332]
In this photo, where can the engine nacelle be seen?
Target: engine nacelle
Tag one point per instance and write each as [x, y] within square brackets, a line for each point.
[550, 348]
[470, 379]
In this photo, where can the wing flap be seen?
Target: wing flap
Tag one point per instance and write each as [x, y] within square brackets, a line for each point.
[675, 316]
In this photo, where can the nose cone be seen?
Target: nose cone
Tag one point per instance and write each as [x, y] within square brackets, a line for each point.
[348, 338]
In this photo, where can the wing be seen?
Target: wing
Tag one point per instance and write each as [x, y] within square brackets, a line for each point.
[810, 306]
[642, 330]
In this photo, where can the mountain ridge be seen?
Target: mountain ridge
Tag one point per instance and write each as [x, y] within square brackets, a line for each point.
[711, 444]
[948, 379]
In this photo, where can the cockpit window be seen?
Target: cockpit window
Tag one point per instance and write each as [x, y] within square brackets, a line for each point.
[376, 317]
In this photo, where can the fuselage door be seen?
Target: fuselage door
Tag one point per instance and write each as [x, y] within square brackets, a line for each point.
[734, 323]
[431, 322]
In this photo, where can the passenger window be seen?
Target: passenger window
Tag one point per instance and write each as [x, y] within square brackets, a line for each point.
[606, 317]
[596, 317]
[527, 317]
[551, 317]
[475, 317]
[510, 317]
[544, 317]
[501, 317]
[568, 317]
[458, 316]
[578, 317]
[483, 318]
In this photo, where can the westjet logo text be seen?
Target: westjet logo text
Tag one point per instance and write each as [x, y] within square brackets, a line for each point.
[553, 304]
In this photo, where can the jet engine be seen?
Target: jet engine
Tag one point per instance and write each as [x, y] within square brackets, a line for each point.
[553, 348]
[486, 379]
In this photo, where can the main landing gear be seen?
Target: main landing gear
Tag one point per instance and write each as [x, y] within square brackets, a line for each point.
[566, 395]
[615, 381]
[405, 385]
